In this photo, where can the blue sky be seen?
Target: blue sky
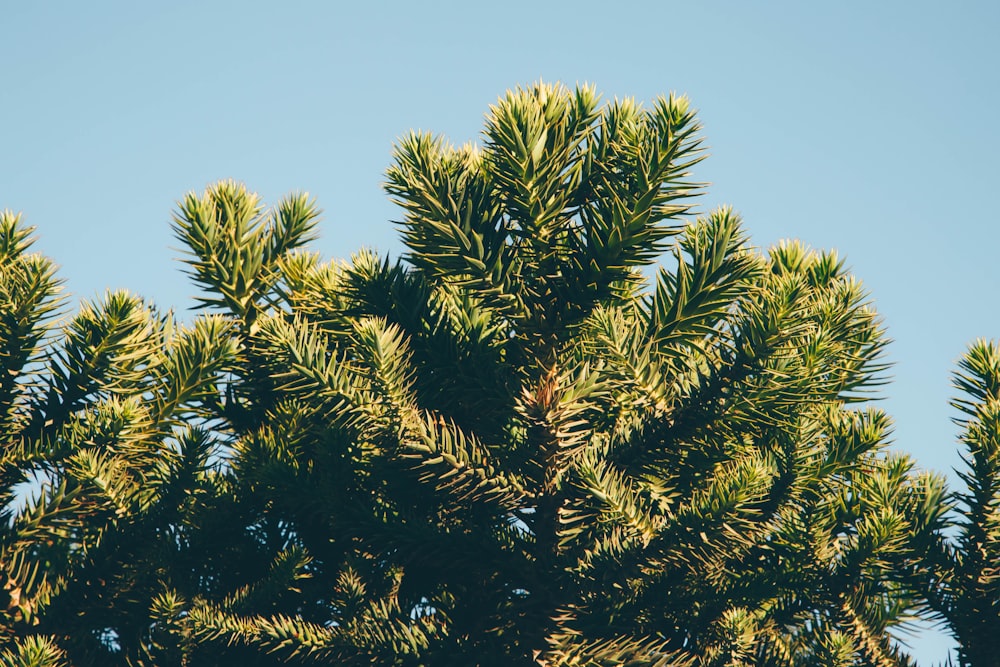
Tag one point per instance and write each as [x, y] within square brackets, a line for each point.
[866, 127]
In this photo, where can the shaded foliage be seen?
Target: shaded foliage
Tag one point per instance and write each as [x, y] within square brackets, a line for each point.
[516, 446]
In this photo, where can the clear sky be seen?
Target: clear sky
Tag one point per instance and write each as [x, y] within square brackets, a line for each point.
[862, 126]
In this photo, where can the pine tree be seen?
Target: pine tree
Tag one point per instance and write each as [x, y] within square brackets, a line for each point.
[577, 424]
[109, 465]
[510, 449]
[956, 561]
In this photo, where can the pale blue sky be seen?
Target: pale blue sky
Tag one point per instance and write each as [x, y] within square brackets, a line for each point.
[866, 127]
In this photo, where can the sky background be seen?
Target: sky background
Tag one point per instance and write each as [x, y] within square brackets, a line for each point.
[870, 128]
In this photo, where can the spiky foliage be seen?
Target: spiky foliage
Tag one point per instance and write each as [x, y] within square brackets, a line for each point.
[108, 461]
[509, 450]
[957, 558]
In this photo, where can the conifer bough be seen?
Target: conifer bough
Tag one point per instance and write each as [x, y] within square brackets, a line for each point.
[511, 447]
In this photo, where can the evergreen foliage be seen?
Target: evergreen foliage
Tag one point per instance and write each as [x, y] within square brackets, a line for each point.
[958, 562]
[520, 445]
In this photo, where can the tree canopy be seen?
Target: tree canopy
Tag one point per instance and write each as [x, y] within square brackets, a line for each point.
[578, 423]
